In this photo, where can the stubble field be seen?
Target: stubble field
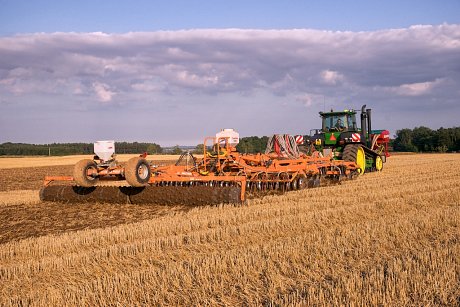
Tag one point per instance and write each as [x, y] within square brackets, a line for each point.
[390, 238]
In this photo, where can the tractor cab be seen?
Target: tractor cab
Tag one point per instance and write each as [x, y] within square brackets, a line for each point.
[341, 121]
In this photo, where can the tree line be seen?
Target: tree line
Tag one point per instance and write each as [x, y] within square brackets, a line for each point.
[423, 139]
[251, 144]
[63, 149]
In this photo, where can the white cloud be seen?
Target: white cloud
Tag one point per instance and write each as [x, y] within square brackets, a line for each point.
[188, 79]
[103, 92]
[417, 89]
[237, 60]
[331, 77]
[305, 99]
[147, 86]
[418, 65]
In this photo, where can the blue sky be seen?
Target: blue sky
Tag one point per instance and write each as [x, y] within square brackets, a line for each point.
[172, 72]
[20, 16]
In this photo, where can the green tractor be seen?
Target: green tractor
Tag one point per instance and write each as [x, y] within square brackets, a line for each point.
[341, 138]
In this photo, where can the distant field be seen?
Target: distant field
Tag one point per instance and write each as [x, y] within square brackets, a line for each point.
[15, 162]
[389, 238]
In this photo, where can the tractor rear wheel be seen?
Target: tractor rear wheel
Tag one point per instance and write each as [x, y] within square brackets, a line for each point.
[81, 170]
[137, 172]
[355, 153]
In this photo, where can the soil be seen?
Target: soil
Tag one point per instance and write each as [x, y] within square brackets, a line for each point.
[32, 220]
[30, 178]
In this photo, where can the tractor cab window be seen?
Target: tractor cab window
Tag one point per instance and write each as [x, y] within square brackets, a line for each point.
[337, 123]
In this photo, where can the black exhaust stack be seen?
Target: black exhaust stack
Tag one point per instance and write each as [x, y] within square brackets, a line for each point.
[369, 121]
[363, 124]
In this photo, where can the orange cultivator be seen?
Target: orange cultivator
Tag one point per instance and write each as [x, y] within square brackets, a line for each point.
[222, 175]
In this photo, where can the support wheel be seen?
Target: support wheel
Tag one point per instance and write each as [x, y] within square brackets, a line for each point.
[137, 172]
[355, 153]
[82, 173]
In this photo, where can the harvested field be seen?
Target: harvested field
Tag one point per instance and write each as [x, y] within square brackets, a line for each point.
[28, 178]
[18, 162]
[390, 238]
[38, 219]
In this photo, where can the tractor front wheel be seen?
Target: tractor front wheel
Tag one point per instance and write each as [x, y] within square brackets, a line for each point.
[137, 172]
[355, 153]
[83, 173]
[378, 163]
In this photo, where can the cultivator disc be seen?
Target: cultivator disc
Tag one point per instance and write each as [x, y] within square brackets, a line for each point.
[162, 195]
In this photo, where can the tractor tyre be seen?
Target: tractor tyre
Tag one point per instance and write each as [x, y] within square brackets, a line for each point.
[137, 172]
[378, 163]
[355, 153]
[80, 173]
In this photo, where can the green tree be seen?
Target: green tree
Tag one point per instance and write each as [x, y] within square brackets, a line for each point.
[443, 140]
[403, 141]
[252, 144]
[198, 149]
[423, 139]
[245, 146]
[456, 139]
[176, 150]
[154, 149]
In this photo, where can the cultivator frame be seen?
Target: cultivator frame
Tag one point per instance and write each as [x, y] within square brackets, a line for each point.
[223, 175]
